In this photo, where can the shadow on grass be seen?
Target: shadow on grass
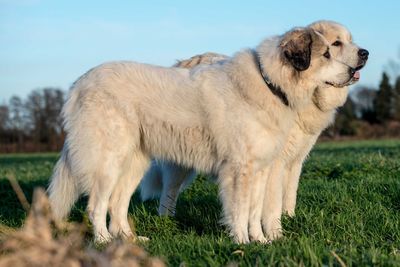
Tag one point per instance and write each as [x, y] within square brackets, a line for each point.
[16, 159]
[358, 149]
[201, 214]
[196, 210]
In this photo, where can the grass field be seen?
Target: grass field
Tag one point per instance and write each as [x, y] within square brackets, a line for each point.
[348, 212]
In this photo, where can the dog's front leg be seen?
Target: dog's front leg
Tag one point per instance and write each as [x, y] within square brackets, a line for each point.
[234, 191]
[272, 207]
[258, 183]
[291, 183]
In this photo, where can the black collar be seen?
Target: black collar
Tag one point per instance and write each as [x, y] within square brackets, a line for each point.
[276, 90]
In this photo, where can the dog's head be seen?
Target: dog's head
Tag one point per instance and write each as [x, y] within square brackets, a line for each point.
[341, 49]
[307, 60]
[323, 52]
[342, 53]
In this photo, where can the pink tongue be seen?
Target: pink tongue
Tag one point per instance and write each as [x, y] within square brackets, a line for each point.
[356, 75]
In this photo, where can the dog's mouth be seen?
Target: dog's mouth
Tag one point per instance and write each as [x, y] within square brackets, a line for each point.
[354, 77]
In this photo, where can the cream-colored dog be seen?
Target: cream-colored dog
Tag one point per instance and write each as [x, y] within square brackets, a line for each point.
[168, 179]
[230, 120]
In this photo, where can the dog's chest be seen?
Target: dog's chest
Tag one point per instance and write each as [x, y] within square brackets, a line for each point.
[263, 143]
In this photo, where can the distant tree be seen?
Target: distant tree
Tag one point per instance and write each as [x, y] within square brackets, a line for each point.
[43, 108]
[17, 112]
[53, 103]
[392, 67]
[364, 98]
[383, 100]
[344, 123]
[396, 99]
[4, 117]
[36, 116]
[17, 121]
[4, 125]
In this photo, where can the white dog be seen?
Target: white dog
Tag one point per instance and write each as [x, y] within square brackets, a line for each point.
[230, 119]
[168, 179]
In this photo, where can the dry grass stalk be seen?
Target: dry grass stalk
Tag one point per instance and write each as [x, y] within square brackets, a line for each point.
[18, 191]
[42, 242]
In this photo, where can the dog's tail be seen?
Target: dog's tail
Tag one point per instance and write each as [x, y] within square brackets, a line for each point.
[63, 190]
[151, 184]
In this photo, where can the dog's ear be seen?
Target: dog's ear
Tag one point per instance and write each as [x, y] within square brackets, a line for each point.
[296, 47]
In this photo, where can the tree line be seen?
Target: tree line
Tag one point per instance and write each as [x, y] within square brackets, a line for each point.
[370, 112]
[34, 124]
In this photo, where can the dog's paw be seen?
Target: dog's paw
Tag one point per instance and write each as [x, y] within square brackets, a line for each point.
[102, 238]
[289, 212]
[256, 234]
[118, 231]
[260, 239]
[241, 238]
[274, 234]
[142, 239]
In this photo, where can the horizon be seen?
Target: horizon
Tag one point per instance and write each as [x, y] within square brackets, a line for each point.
[50, 44]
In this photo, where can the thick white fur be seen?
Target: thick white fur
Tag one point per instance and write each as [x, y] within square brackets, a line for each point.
[219, 119]
[281, 186]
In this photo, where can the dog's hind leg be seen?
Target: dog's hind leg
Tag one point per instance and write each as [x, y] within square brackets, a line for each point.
[174, 178]
[121, 195]
[104, 181]
[113, 150]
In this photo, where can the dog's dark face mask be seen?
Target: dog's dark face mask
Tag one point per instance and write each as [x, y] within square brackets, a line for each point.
[296, 48]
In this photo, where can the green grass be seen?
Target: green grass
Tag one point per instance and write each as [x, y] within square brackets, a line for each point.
[348, 205]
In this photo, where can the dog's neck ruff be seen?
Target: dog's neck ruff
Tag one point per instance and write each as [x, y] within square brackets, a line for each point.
[276, 90]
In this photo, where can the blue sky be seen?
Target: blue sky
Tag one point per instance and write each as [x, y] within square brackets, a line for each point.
[51, 43]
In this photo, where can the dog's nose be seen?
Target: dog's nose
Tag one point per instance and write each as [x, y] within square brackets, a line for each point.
[363, 54]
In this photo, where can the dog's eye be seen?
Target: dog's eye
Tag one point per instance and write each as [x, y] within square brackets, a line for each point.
[327, 54]
[337, 43]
